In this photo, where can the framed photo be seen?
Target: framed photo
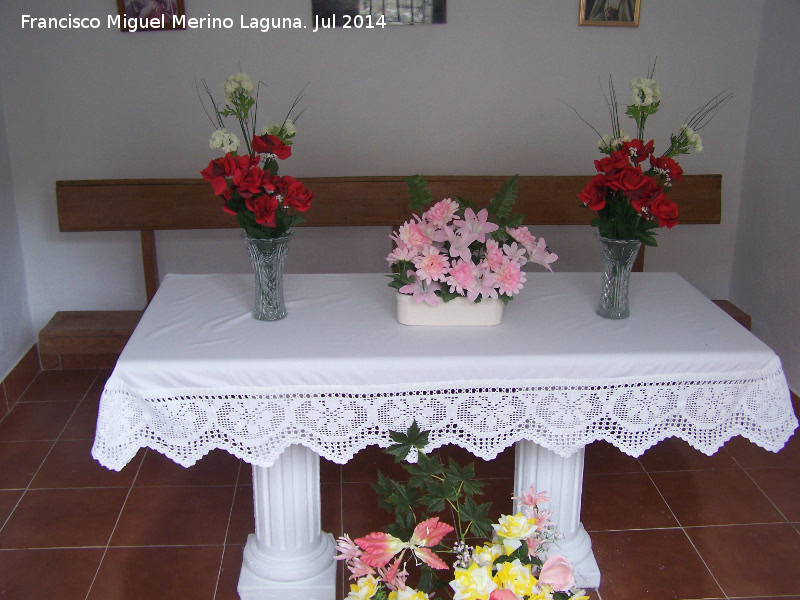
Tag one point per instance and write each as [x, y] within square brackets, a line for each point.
[338, 13]
[144, 11]
[613, 13]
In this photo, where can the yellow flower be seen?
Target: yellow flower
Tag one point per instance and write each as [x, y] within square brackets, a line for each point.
[363, 589]
[408, 594]
[485, 555]
[516, 577]
[474, 583]
[513, 529]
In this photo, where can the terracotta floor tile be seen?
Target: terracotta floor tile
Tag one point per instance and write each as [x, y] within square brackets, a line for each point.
[242, 521]
[215, 468]
[60, 386]
[735, 554]
[751, 456]
[719, 497]
[64, 573]
[70, 464]
[602, 457]
[500, 467]
[83, 423]
[623, 501]
[329, 471]
[782, 486]
[674, 454]
[658, 564]
[162, 573]
[229, 574]
[63, 518]
[365, 466]
[19, 462]
[29, 421]
[174, 516]
[332, 509]
[8, 500]
[360, 512]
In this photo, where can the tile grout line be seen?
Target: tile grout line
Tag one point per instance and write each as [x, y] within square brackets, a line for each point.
[52, 444]
[116, 523]
[227, 529]
[683, 529]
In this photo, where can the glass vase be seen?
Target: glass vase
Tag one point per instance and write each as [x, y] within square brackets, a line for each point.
[618, 258]
[268, 258]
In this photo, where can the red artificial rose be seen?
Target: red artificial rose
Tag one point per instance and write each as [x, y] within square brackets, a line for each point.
[628, 179]
[263, 207]
[642, 196]
[295, 194]
[665, 163]
[666, 211]
[252, 181]
[593, 195]
[612, 164]
[638, 150]
[271, 144]
[217, 171]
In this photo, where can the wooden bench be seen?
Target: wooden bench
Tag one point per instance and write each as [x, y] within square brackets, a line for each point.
[150, 205]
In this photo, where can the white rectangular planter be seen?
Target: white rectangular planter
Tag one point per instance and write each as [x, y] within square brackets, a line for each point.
[459, 312]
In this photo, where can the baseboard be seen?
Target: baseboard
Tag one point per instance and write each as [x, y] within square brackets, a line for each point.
[18, 380]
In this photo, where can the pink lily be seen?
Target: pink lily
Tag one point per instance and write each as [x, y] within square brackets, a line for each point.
[421, 292]
[379, 548]
[542, 256]
[475, 226]
[531, 498]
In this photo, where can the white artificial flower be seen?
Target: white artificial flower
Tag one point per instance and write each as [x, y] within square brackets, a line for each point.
[224, 140]
[692, 138]
[288, 129]
[645, 91]
[239, 81]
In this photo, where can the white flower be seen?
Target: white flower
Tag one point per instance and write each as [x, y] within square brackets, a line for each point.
[288, 129]
[693, 139]
[608, 143]
[240, 81]
[645, 91]
[224, 140]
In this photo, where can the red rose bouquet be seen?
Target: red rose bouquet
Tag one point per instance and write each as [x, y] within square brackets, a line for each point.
[266, 205]
[630, 189]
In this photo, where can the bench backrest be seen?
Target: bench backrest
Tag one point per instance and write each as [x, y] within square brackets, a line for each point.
[147, 205]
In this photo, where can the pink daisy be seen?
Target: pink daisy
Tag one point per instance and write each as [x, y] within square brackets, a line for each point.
[461, 276]
[442, 212]
[431, 266]
[510, 278]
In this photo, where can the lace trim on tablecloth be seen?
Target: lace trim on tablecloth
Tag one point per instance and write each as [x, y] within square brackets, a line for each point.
[484, 417]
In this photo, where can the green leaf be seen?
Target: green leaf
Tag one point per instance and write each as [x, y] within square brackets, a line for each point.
[500, 206]
[418, 193]
[478, 517]
[404, 442]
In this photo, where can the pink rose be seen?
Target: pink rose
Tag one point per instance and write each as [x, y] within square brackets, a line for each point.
[503, 595]
[557, 571]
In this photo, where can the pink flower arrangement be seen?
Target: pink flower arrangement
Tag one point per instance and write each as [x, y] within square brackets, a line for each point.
[453, 251]
[419, 557]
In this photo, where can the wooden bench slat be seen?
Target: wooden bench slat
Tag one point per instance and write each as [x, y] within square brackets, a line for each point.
[151, 204]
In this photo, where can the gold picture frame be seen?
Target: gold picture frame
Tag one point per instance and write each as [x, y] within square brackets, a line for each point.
[610, 13]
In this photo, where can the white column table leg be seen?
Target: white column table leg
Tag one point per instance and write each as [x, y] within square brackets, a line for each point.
[562, 478]
[288, 557]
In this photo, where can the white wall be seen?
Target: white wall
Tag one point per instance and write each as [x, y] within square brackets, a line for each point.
[16, 329]
[766, 274]
[479, 95]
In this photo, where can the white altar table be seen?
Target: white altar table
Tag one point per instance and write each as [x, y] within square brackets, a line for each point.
[339, 373]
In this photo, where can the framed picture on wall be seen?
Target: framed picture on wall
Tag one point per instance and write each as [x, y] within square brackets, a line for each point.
[143, 11]
[614, 13]
[340, 13]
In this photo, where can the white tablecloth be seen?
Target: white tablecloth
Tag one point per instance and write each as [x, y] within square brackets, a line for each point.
[339, 372]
